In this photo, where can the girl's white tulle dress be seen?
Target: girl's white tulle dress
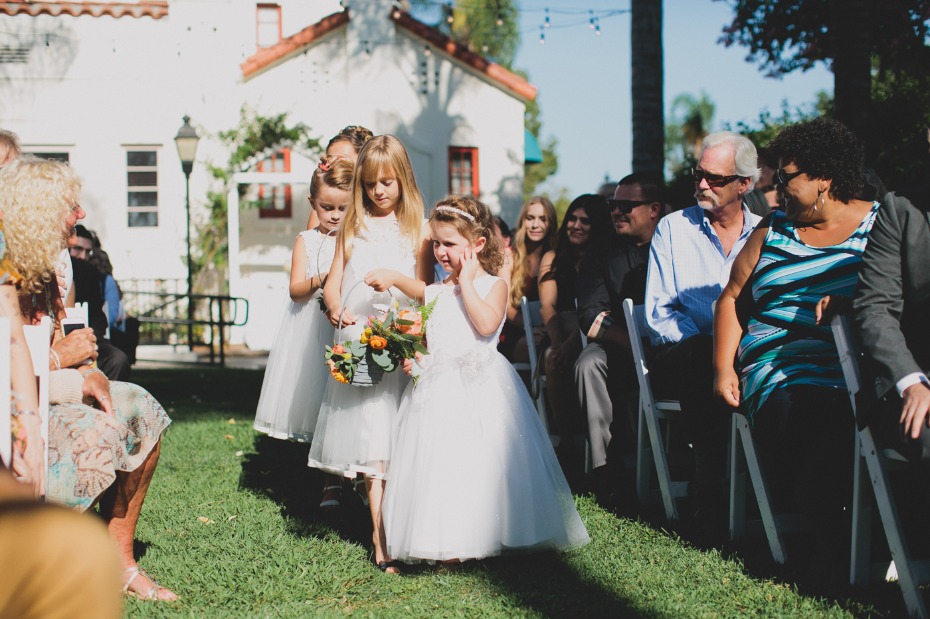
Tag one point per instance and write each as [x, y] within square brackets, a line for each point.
[474, 473]
[296, 376]
[353, 432]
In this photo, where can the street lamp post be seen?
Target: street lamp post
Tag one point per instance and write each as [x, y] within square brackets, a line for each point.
[186, 141]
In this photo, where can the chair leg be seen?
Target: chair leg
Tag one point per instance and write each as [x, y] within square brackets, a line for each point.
[860, 552]
[892, 524]
[661, 464]
[643, 458]
[737, 484]
[760, 488]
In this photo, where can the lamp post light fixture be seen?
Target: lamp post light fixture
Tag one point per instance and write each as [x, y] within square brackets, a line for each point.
[186, 141]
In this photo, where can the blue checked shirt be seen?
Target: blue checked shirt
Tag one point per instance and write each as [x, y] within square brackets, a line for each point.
[687, 271]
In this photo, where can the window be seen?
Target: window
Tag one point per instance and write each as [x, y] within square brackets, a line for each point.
[142, 188]
[463, 171]
[51, 155]
[268, 25]
[275, 200]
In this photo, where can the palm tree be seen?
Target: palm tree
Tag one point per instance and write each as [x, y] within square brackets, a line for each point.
[647, 84]
[691, 120]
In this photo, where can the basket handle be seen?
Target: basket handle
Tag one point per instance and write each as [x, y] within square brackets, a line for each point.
[318, 252]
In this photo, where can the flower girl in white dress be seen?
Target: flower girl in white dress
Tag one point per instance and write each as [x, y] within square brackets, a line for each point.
[473, 473]
[377, 251]
[292, 390]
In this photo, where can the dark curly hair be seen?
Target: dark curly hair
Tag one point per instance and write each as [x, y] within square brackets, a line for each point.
[595, 207]
[824, 148]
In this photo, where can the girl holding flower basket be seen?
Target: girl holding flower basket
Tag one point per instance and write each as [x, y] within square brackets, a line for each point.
[474, 473]
[377, 252]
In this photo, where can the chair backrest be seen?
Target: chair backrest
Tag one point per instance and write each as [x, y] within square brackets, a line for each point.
[635, 326]
[531, 318]
[842, 335]
[6, 440]
[38, 338]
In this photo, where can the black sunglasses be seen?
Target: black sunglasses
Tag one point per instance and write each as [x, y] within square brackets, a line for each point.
[626, 206]
[714, 180]
[782, 178]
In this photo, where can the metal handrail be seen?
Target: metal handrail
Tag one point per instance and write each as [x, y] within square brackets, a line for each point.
[218, 308]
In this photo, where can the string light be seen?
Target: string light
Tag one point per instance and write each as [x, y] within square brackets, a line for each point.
[542, 35]
[547, 23]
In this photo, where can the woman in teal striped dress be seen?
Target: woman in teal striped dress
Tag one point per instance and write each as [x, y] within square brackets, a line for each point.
[801, 266]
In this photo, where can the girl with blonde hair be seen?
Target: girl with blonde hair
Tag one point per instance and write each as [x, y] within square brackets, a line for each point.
[381, 247]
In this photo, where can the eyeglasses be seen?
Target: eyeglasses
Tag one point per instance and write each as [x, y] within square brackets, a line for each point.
[782, 178]
[713, 180]
[626, 206]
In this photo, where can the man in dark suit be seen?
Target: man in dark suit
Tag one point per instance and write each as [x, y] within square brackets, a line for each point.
[892, 312]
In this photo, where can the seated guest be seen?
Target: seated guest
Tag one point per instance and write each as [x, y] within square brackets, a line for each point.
[535, 235]
[612, 270]
[505, 236]
[689, 264]
[892, 305]
[585, 223]
[106, 453]
[801, 265]
[88, 288]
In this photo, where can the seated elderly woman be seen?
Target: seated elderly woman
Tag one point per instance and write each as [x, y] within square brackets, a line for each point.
[103, 453]
[585, 224]
[800, 265]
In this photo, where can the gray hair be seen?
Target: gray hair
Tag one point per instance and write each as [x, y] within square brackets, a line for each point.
[746, 160]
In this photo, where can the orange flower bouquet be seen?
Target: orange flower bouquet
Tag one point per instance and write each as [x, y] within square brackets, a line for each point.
[396, 334]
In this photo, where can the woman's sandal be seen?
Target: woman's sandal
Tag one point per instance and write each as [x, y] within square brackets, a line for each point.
[332, 502]
[153, 594]
[384, 566]
[358, 484]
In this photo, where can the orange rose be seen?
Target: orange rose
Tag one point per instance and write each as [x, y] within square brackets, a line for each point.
[339, 376]
[414, 316]
[338, 349]
[377, 342]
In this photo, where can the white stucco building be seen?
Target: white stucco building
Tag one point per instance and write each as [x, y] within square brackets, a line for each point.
[105, 84]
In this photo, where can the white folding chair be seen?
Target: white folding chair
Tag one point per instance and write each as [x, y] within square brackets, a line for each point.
[6, 439]
[649, 441]
[743, 457]
[532, 318]
[911, 573]
[38, 338]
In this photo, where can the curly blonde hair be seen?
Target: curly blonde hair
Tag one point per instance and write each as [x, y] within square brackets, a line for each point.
[521, 249]
[491, 257]
[36, 196]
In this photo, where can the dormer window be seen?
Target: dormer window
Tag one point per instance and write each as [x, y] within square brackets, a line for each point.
[268, 25]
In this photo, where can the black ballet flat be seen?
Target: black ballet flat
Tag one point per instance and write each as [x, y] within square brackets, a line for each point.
[384, 566]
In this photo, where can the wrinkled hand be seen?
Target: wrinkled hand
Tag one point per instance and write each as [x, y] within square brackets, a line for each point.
[29, 462]
[830, 306]
[915, 412]
[726, 387]
[381, 279]
[347, 317]
[470, 265]
[77, 346]
[97, 386]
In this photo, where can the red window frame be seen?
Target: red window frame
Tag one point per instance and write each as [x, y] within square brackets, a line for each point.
[264, 6]
[465, 178]
[278, 162]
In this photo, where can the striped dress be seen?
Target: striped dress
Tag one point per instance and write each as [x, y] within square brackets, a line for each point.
[783, 345]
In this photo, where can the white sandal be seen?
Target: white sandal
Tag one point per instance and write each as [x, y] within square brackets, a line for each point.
[330, 503]
[152, 595]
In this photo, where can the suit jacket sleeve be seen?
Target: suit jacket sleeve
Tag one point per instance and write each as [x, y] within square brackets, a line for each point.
[879, 299]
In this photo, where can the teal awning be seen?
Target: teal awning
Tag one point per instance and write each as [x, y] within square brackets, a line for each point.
[531, 151]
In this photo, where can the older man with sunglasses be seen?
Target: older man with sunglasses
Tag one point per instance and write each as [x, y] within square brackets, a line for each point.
[609, 273]
[689, 264]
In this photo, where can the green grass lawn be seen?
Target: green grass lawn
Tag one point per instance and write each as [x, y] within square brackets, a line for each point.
[231, 524]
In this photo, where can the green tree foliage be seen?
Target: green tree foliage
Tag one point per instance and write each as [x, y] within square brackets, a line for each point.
[691, 118]
[254, 135]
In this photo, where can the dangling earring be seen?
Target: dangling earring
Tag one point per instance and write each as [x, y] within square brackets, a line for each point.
[823, 200]
[820, 199]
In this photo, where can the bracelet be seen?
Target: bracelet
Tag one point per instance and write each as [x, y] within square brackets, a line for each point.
[19, 413]
[94, 371]
[55, 358]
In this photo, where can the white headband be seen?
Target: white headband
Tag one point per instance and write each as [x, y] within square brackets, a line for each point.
[452, 209]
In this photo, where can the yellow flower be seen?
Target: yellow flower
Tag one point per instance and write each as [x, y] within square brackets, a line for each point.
[364, 338]
[339, 376]
[368, 331]
[348, 355]
[377, 342]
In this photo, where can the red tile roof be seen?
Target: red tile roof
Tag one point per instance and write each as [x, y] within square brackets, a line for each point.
[269, 56]
[496, 73]
[156, 9]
